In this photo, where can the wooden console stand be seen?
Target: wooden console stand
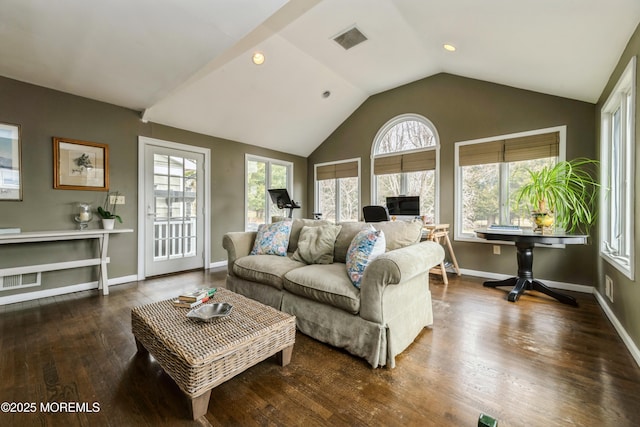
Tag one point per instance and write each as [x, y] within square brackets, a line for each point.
[49, 236]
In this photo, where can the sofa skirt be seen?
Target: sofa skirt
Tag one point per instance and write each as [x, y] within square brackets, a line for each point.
[338, 328]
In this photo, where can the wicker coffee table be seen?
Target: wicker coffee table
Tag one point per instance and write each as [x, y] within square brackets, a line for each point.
[200, 355]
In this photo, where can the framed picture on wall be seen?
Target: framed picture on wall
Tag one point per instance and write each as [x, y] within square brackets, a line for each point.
[80, 165]
[10, 162]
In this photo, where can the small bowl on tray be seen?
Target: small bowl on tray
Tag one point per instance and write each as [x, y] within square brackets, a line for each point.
[210, 312]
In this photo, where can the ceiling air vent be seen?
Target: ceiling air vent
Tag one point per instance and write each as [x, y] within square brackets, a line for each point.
[350, 38]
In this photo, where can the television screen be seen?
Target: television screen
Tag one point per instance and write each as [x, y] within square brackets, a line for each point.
[404, 205]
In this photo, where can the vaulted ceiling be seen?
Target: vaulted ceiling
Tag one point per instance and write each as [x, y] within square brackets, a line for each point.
[188, 63]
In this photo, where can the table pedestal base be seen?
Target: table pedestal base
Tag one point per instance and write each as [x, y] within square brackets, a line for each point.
[521, 284]
[525, 281]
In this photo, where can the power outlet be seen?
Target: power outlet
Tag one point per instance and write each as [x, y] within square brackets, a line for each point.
[608, 287]
[116, 200]
[496, 249]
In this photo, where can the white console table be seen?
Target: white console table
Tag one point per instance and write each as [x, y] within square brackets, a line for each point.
[50, 236]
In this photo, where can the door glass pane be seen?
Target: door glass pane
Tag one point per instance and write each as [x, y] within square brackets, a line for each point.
[174, 200]
[190, 206]
[256, 194]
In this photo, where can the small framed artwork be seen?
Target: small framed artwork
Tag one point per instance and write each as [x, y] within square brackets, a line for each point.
[10, 162]
[80, 165]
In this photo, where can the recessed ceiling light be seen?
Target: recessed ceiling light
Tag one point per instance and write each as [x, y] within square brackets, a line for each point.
[258, 58]
[449, 47]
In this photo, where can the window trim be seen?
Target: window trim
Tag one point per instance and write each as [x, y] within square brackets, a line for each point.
[316, 202]
[378, 138]
[624, 88]
[457, 208]
[269, 161]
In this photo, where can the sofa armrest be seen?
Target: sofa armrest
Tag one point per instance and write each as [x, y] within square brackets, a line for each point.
[394, 268]
[237, 244]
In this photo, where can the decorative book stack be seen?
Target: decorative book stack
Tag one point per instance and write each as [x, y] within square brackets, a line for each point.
[194, 298]
[505, 227]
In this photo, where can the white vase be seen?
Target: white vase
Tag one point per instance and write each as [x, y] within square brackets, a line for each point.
[108, 223]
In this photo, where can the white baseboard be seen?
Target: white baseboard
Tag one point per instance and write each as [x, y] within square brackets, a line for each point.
[29, 296]
[218, 264]
[628, 341]
[123, 279]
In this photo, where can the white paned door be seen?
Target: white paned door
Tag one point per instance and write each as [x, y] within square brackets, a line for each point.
[174, 231]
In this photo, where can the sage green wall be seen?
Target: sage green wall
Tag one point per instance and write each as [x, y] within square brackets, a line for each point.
[626, 292]
[44, 113]
[464, 109]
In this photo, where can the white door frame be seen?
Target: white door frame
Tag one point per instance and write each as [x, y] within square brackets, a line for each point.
[143, 142]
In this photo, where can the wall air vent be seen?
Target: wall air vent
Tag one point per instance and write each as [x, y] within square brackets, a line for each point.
[19, 281]
[350, 38]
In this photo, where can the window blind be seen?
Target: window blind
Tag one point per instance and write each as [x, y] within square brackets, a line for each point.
[337, 170]
[532, 147]
[511, 149]
[409, 162]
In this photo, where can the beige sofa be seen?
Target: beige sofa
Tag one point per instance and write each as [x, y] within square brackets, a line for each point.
[377, 321]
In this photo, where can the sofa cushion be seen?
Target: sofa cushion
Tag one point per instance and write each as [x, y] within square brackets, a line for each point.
[296, 228]
[399, 234]
[365, 247]
[265, 269]
[345, 237]
[315, 245]
[272, 239]
[325, 283]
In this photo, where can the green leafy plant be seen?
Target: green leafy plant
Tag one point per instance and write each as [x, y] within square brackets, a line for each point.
[568, 190]
[108, 209]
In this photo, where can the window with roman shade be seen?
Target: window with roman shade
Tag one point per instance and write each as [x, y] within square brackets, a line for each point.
[490, 171]
[348, 169]
[410, 162]
[404, 161]
[338, 190]
[511, 149]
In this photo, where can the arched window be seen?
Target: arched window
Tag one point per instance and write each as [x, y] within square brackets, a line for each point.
[404, 161]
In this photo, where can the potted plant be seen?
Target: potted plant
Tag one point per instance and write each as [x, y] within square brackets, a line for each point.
[565, 193]
[108, 211]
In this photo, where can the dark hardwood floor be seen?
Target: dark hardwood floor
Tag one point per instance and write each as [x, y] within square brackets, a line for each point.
[533, 363]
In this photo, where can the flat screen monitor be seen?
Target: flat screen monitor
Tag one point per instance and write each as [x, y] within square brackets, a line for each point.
[404, 205]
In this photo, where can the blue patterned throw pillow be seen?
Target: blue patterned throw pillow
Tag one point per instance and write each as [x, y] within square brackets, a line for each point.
[272, 239]
[364, 248]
